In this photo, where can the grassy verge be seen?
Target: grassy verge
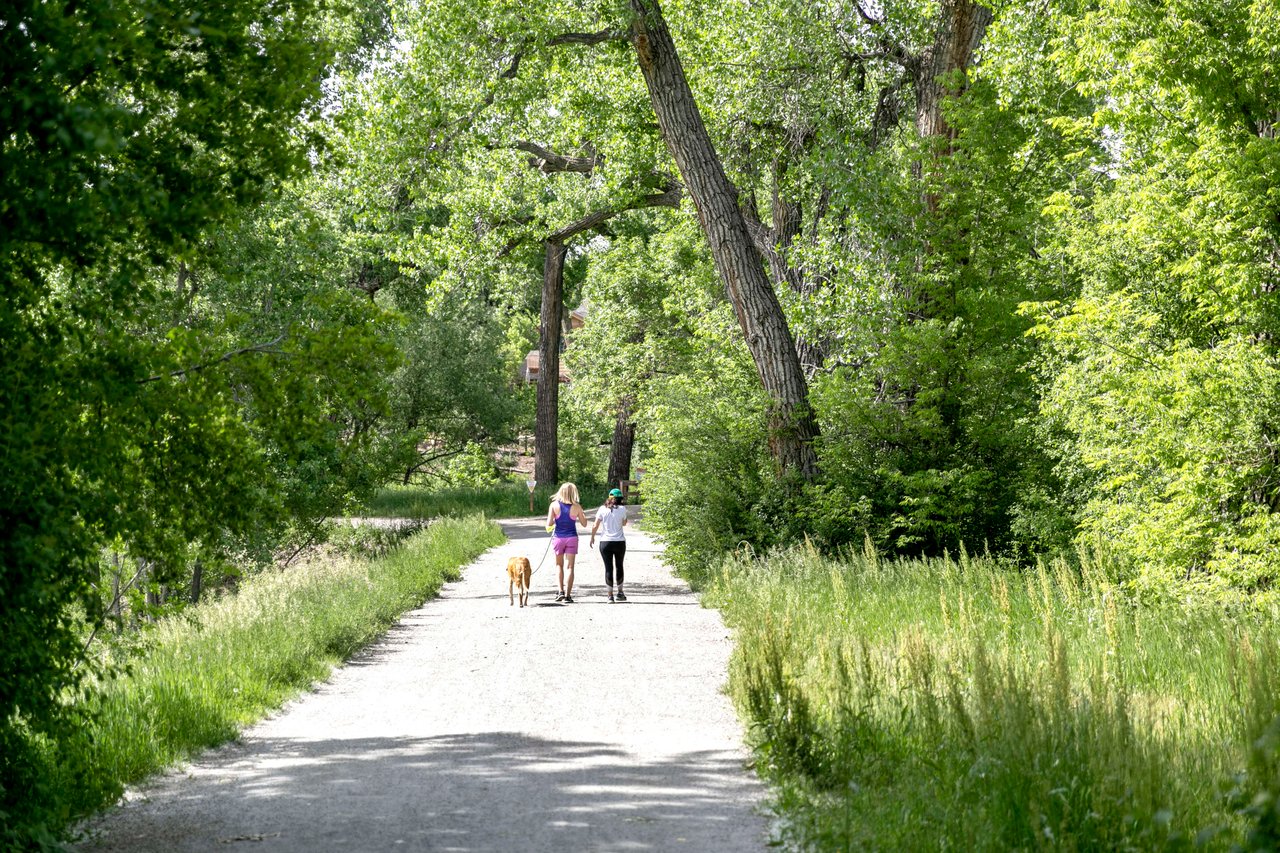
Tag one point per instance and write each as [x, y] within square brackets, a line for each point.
[939, 705]
[226, 663]
[505, 500]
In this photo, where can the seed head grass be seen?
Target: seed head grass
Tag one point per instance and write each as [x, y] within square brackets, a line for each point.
[968, 704]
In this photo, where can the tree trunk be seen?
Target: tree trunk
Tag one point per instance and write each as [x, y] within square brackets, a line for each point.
[792, 426]
[545, 437]
[624, 437]
[961, 28]
[940, 74]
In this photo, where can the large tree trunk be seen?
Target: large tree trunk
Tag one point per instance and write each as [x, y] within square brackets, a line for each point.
[546, 446]
[624, 437]
[792, 426]
[961, 27]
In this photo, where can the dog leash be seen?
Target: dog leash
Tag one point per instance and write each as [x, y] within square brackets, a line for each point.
[545, 551]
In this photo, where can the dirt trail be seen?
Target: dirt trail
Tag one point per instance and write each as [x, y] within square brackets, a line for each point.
[473, 725]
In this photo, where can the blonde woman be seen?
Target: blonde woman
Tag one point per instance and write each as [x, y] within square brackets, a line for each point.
[563, 517]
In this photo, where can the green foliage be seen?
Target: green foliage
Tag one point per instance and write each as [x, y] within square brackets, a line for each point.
[583, 438]
[130, 128]
[643, 294]
[229, 314]
[451, 398]
[707, 467]
[471, 468]
[913, 704]
[1256, 794]
[1159, 379]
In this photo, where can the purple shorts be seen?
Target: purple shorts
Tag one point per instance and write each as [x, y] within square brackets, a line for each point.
[565, 544]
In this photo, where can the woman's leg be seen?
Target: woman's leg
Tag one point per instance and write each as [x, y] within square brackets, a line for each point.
[606, 553]
[618, 554]
[607, 556]
[560, 572]
[568, 589]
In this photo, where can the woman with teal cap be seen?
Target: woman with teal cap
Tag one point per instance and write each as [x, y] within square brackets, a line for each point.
[613, 544]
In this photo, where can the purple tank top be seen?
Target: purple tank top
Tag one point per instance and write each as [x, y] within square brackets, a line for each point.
[565, 525]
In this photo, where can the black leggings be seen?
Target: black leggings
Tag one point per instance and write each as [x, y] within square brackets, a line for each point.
[612, 551]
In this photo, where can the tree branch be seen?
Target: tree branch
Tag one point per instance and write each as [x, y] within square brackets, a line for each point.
[548, 161]
[445, 142]
[669, 198]
[263, 347]
[587, 38]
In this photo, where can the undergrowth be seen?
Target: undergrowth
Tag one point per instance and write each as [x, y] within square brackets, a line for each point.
[969, 705]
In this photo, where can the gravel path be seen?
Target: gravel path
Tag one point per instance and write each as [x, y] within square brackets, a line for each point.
[473, 725]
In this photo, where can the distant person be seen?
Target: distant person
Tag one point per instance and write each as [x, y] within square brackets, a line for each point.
[561, 517]
[613, 544]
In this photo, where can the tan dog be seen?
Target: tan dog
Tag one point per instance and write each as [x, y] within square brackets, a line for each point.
[520, 573]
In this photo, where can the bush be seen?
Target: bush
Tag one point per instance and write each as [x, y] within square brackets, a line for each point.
[472, 468]
[707, 474]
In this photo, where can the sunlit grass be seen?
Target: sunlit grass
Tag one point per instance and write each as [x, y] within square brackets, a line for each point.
[964, 704]
[228, 662]
[502, 500]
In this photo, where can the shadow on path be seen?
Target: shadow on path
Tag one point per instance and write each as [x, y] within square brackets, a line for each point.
[553, 795]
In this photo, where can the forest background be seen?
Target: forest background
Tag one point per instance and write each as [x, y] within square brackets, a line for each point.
[904, 277]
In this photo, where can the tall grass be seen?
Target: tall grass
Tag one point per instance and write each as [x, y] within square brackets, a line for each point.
[503, 500]
[962, 704]
[226, 663]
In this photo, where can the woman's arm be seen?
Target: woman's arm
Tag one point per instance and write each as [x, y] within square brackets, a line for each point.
[551, 515]
[579, 514]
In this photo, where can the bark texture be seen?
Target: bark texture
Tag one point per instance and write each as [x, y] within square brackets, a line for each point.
[759, 314]
[961, 27]
[546, 429]
[624, 437]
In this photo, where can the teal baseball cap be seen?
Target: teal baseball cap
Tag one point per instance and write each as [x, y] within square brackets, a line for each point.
[615, 493]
